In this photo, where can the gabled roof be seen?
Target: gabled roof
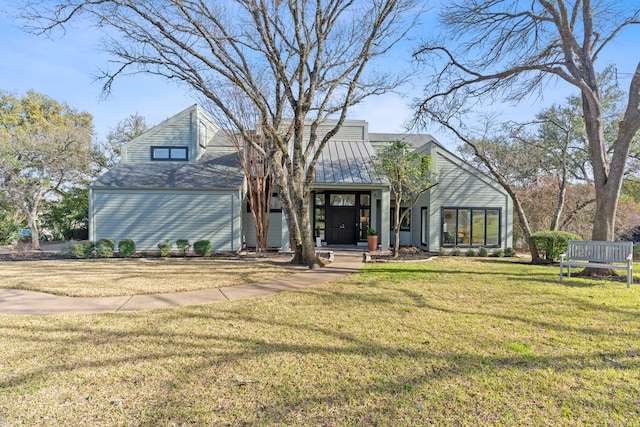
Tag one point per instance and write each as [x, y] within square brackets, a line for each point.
[212, 171]
[346, 162]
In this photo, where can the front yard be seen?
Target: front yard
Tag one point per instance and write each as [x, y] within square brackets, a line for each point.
[454, 341]
[134, 276]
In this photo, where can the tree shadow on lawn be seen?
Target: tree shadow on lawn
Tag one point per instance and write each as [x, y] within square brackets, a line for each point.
[210, 358]
[213, 343]
[420, 301]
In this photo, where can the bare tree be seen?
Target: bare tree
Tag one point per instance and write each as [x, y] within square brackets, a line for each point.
[505, 156]
[312, 54]
[508, 49]
[126, 130]
[251, 147]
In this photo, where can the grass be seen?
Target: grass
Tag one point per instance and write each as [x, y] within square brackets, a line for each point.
[455, 341]
[119, 277]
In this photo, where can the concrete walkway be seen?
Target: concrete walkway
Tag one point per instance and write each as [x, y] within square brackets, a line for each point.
[14, 301]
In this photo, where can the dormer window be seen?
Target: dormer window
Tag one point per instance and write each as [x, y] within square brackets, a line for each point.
[169, 153]
[202, 134]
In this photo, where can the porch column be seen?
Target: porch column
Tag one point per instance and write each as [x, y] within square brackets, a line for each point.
[385, 221]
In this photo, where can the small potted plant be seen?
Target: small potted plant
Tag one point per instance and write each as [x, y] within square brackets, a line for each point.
[372, 239]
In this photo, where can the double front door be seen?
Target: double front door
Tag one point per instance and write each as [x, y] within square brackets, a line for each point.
[341, 224]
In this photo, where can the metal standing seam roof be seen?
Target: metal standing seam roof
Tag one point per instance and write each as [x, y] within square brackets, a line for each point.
[347, 162]
[215, 170]
[341, 162]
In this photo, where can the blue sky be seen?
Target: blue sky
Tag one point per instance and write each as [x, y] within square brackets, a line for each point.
[65, 67]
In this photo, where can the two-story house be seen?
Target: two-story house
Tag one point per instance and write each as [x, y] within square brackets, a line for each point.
[182, 180]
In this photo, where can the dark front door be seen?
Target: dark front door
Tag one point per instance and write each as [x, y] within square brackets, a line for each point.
[341, 224]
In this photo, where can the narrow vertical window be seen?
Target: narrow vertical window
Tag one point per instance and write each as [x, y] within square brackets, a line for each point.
[424, 226]
[202, 134]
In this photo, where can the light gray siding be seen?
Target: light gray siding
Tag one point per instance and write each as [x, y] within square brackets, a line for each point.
[181, 130]
[352, 130]
[177, 132]
[274, 234]
[462, 186]
[151, 216]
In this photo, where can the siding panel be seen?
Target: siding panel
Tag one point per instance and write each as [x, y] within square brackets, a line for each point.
[274, 234]
[151, 216]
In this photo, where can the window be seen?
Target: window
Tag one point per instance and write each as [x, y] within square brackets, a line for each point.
[365, 215]
[202, 134]
[405, 225]
[170, 153]
[470, 227]
[424, 226]
[276, 205]
[319, 201]
[342, 199]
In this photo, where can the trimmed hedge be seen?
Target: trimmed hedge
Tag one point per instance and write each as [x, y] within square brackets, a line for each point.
[551, 244]
[164, 248]
[109, 243]
[183, 245]
[126, 247]
[82, 250]
[202, 247]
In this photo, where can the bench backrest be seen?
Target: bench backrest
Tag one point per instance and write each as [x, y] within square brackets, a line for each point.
[599, 251]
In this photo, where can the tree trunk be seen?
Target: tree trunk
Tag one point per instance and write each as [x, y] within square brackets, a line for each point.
[295, 207]
[32, 220]
[562, 195]
[396, 231]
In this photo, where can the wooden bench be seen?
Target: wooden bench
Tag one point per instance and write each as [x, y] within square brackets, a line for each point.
[585, 253]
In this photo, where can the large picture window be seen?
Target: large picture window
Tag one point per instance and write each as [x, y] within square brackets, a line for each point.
[470, 227]
[169, 153]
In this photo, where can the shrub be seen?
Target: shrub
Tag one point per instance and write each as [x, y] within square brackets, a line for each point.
[68, 250]
[126, 247]
[104, 251]
[183, 245]
[109, 243]
[509, 252]
[104, 248]
[551, 244]
[497, 253]
[456, 251]
[442, 251]
[164, 248]
[79, 250]
[471, 253]
[202, 247]
[483, 252]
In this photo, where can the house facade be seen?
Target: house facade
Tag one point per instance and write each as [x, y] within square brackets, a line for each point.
[181, 180]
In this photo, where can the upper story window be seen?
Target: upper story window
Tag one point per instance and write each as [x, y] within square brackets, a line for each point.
[202, 134]
[170, 153]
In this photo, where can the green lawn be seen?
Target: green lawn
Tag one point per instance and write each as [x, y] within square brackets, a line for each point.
[455, 341]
